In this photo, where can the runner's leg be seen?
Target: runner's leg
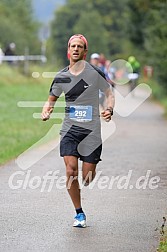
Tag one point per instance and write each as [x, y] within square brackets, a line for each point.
[72, 184]
[88, 172]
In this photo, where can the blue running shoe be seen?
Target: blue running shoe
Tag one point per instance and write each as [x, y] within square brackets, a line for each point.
[80, 220]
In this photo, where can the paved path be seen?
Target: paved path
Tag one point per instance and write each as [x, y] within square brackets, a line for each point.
[118, 219]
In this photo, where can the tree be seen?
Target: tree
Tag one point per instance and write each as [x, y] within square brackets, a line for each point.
[61, 30]
[148, 34]
[114, 19]
[17, 25]
[95, 33]
[117, 28]
[156, 40]
[98, 20]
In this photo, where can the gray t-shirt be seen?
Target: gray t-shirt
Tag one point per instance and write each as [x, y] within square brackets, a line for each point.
[81, 96]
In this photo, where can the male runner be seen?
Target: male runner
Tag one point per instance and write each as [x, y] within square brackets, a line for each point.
[81, 129]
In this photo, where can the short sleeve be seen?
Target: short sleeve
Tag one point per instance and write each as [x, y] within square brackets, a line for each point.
[103, 84]
[55, 89]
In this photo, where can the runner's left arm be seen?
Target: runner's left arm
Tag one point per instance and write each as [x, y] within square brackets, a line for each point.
[110, 99]
[110, 102]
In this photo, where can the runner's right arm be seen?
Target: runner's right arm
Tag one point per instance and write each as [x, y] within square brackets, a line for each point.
[48, 107]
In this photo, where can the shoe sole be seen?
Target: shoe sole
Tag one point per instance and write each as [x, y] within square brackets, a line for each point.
[80, 226]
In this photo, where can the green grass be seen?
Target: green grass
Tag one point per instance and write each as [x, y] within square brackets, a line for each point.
[159, 95]
[18, 129]
[164, 103]
[163, 243]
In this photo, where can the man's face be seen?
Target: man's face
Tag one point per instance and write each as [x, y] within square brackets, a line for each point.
[77, 50]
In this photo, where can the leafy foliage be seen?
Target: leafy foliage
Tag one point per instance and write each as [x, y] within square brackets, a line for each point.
[17, 25]
[116, 28]
[156, 40]
[95, 19]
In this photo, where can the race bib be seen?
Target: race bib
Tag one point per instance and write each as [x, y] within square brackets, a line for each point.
[81, 113]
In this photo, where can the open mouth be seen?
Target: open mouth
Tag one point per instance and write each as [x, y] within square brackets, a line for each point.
[75, 54]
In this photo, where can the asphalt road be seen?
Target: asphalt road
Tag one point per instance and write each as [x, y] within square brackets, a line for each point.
[124, 210]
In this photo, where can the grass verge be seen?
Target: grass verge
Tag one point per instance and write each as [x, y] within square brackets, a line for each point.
[18, 129]
[158, 94]
[163, 243]
[163, 239]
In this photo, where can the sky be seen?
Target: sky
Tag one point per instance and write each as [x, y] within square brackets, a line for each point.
[44, 9]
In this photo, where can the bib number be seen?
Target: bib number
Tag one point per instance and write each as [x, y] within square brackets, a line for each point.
[81, 113]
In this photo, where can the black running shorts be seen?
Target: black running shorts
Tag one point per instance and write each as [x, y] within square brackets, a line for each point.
[69, 146]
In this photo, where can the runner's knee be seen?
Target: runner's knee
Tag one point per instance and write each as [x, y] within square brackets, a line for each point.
[71, 171]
